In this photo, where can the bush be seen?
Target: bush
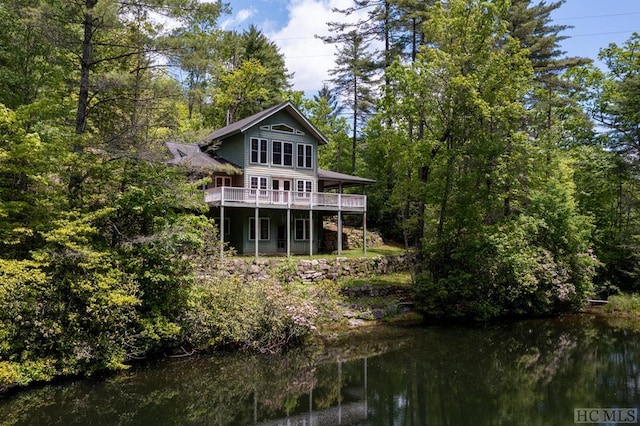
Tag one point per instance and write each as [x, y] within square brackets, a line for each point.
[502, 272]
[261, 315]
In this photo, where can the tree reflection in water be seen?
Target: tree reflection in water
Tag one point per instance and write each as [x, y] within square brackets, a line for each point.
[525, 372]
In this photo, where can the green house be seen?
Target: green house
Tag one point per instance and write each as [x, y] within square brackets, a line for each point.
[266, 189]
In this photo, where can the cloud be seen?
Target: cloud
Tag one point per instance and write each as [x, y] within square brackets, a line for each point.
[238, 19]
[306, 56]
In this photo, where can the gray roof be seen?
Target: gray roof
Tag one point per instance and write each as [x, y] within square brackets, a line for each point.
[190, 155]
[246, 123]
[334, 179]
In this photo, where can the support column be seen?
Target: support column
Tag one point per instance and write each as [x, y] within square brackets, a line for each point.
[364, 233]
[288, 232]
[339, 232]
[310, 232]
[257, 228]
[221, 232]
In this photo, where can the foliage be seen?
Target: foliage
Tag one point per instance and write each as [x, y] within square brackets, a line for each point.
[628, 304]
[262, 315]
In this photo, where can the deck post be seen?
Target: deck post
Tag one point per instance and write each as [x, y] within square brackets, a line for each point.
[256, 223]
[364, 233]
[339, 232]
[310, 232]
[221, 230]
[288, 232]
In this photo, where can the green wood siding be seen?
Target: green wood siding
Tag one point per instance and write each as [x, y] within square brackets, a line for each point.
[232, 149]
[270, 170]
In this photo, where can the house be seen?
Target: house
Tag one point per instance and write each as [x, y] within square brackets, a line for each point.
[266, 189]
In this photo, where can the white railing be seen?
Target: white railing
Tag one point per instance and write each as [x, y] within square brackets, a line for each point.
[228, 195]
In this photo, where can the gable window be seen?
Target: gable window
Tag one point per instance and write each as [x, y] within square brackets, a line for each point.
[264, 232]
[305, 155]
[282, 153]
[302, 229]
[282, 128]
[258, 151]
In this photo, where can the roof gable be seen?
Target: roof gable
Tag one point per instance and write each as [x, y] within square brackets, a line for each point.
[246, 123]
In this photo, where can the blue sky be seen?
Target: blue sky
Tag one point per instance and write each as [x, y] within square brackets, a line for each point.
[292, 25]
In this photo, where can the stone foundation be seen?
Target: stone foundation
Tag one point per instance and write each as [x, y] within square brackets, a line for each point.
[310, 271]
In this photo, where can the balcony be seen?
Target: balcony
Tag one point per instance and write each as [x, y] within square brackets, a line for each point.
[228, 196]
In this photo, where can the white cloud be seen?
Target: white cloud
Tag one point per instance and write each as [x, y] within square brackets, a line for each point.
[308, 57]
[238, 19]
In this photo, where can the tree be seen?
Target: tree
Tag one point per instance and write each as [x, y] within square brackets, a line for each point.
[353, 77]
[324, 112]
[490, 220]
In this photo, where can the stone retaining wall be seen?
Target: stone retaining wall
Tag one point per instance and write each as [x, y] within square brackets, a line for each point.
[316, 270]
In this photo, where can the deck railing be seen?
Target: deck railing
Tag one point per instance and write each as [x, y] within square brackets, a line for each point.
[227, 195]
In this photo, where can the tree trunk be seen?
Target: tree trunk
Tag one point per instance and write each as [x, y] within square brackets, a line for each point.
[85, 68]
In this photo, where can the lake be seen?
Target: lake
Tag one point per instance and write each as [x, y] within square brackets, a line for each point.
[533, 372]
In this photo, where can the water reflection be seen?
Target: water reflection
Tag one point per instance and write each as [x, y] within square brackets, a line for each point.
[528, 372]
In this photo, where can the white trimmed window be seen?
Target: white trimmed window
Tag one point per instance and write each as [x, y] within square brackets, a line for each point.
[261, 183]
[305, 155]
[304, 185]
[222, 181]
[259, 151]
[258, 182]
[302, 230]
[264, 231]
[303, 189]
[282, 153]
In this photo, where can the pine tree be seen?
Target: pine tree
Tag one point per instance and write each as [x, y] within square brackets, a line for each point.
[354, 77]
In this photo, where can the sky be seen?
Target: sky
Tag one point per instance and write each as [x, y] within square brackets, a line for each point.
[294, 24]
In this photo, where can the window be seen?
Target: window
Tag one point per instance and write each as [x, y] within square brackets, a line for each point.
[282, 128]
[303, 188]
[259, 182]
[258, 151]
[288, 154]
[222, 181]
[302, 230]
[227, 226]
[264, 228]
[282, 153]
[304, 155]
[304, 185]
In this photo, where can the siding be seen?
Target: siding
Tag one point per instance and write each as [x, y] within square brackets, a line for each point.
[232, 150]
[276, 218]
[269, 170]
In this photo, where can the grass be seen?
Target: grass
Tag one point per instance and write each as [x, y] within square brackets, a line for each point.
[626, 304]
[396, 278]
[384, 250]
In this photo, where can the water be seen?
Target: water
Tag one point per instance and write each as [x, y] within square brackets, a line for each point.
[533, 372]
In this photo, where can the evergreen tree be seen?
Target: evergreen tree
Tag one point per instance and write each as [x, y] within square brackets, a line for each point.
[354, 77]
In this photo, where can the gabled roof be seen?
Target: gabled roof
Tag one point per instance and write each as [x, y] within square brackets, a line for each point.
[335, 180]
[191, 155]
[246, 123]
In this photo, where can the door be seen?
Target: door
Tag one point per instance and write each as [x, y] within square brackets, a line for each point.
[281, 188]
[282, 241]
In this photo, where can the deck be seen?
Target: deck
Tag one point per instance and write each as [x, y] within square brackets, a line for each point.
[228, 196]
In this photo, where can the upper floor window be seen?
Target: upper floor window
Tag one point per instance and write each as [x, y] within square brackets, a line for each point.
[282, 128]
[305, 155]
[258, 151]
[282, 153]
